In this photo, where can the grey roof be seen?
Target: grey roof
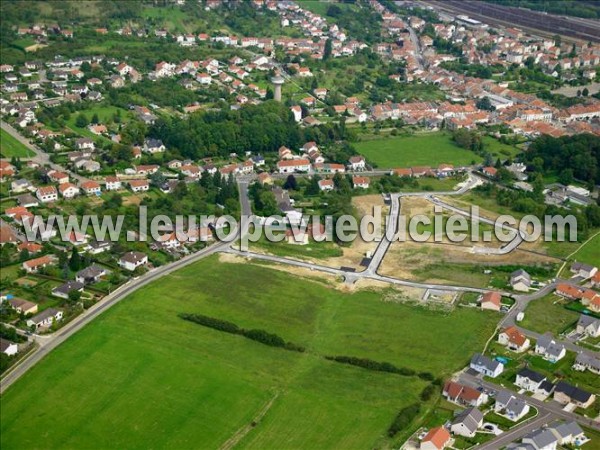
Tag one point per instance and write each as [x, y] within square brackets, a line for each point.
[565, 430]
[533, 376]
[50, 312]
[550, 347]
[481, 360]
[517, 274]
[541, 438]
[92, 271]
[4, 344]
[471, 418]
[586, 321]
[516, 406]
[68, 287]
[577, 266]
[133, 257]
[503, 397]
[546, 386]
[572, 392]
[588, 361]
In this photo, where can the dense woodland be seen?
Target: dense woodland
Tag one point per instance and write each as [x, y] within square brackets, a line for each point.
[258, 128]
[578, 154]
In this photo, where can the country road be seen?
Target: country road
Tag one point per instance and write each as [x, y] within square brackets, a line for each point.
[40, 157]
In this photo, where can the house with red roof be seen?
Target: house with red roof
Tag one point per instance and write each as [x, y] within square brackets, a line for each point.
[436, 439]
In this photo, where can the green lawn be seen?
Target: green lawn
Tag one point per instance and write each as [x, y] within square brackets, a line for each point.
[428, 149]
[140, 377]
[545, 314]
[498, 149]
[312, 250]
[10, 147]
[590, 252]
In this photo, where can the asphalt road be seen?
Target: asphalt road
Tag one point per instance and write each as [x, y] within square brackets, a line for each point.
[40, 157]
[517, 433]
[552, 407]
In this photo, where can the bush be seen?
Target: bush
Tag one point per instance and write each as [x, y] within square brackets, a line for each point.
[428, 392]
[261, 336]
[403, 419]
[372, 365]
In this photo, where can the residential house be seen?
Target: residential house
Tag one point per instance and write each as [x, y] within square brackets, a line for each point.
[139, 185]
[68, 190]
[132, 260]
[91, 187]
[154, 146]
[467, 422]
[587, 362]
[85, 144]
[513, 339]
[486, 366]
[529, 380]
[357, 163]
[96, 247]
[540, 439]
[23, 306]
[510, 406]
[583, 270]
[294, 165]
[588, 325]
[463, 395]
[565, 393]
[520, 280]
[112, 184]
[65, 289]
[549, 349]
[326, 185]
[45, 319]
[360, 182]
[33, 265]
[568, 433]
[491, 300]
[8, 348]
[436, 439]
[91, 274]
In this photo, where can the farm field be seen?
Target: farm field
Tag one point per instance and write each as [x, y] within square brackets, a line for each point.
[10, 147]
[430, 149]
[157, 381]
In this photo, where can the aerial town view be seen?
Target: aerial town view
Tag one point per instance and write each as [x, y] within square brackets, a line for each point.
[290, 225]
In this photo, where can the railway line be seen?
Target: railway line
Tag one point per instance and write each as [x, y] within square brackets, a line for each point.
[581, 29]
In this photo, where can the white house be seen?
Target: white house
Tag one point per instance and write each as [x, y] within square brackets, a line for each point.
[486, 366]
[513, 339]
[549, 349]
[47, 194]
[293, 165]
[8, 348]
[510, 406]
[112, 184]
[357, 163]
[132, 260]
[467, 422]
[46, 318]
[529, 380]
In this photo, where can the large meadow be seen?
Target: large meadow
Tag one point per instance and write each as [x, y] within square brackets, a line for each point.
[155, 380]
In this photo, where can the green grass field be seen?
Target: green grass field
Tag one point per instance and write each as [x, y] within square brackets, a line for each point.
[430, 149]
[10, 147]
[545, 315]
[140, 377]
[589, 253]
